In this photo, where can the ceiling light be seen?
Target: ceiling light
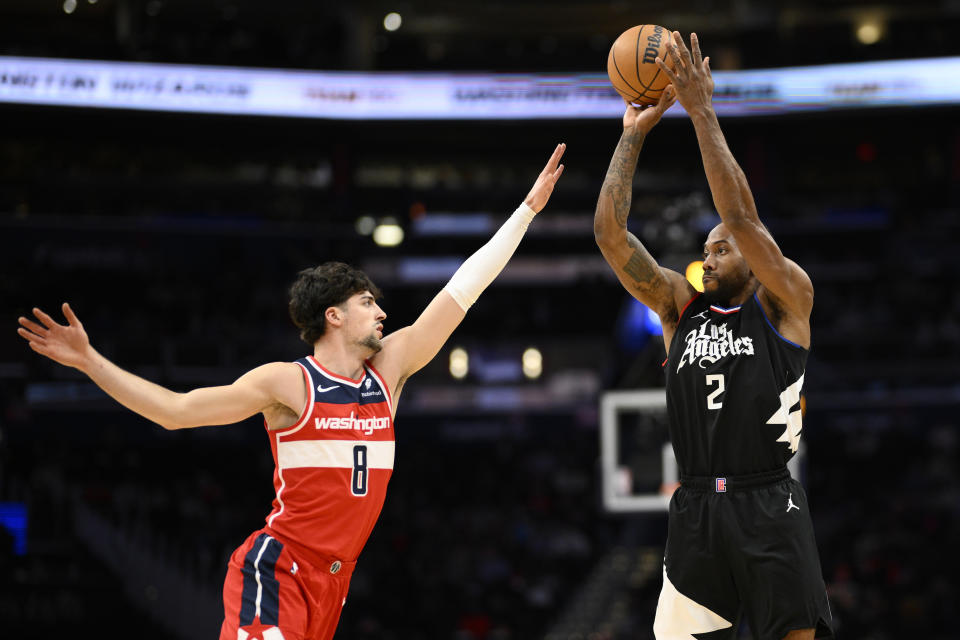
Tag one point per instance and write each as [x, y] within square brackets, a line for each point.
[388, 233]
[532, 363]
[392, 21]
[459, 363]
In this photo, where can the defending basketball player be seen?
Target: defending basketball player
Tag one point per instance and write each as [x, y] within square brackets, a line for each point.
[329, 417]
[740, 539]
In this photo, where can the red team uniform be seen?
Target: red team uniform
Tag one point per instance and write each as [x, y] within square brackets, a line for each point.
[289, 580]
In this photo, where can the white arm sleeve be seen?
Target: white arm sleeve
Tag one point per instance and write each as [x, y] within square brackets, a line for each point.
[482, 267]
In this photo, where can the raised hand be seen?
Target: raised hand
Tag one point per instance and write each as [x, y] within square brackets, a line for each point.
[67, 345]
[644, 118]
[543, 187]
[691, 77]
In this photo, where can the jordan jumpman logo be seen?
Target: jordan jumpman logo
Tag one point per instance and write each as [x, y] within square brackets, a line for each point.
[790, 504]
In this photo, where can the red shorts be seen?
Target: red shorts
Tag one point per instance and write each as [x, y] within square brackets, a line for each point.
[270, 594]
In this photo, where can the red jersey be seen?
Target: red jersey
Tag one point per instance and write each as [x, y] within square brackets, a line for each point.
[333, 465]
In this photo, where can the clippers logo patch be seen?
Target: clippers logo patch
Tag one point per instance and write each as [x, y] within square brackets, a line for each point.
[721, 485]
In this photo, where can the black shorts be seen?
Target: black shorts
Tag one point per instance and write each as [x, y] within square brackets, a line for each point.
[741, 546]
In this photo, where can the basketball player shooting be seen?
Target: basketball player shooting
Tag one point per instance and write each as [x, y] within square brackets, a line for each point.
[329, 417]
[740, 539]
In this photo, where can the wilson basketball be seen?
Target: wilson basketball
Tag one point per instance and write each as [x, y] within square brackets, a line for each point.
[632, 66]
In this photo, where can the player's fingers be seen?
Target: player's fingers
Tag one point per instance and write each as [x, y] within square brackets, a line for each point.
[558, 153]
[46, 320]
[667, 70]
[68, 313]
[547, 168]
[667, 98]
[706, 65]
[674, 54]
[695, 45]
[556, 174]
[554, 159]
[681, 48]
[32, 326]
[31, 337]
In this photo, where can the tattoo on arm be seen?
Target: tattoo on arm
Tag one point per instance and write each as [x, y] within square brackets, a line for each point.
[649, 283]
[618, 183]
[639, 268]
[650, 280]
[641, 265]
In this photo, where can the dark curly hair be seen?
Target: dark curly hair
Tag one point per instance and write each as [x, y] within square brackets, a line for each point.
[316, 290]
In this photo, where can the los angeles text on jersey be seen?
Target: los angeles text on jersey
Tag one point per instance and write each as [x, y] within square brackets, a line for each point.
[711, 343]
[351, 423]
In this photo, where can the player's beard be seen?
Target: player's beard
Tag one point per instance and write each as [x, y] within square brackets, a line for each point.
[725, 290]
[372, 342]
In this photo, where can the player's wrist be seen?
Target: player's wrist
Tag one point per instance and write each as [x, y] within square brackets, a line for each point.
[702, 113]
[526, 211]
[634, 135]
[90, 360]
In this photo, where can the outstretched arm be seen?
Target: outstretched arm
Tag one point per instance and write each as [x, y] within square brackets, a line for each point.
[257, 390]
[731, 194]
[662, 290]
[408, 350]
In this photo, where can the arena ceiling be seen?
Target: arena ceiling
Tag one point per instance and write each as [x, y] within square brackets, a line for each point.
[468, 34]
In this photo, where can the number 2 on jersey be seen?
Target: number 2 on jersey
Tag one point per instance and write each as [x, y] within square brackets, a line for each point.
[358, 485]
[712, 402]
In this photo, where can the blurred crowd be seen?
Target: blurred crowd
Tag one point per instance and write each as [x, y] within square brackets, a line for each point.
[481, 538]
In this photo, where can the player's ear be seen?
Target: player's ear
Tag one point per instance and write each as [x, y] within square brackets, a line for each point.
[334, 316]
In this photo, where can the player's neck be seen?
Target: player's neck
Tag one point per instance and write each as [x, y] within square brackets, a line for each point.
[341, 359]
[739, 298]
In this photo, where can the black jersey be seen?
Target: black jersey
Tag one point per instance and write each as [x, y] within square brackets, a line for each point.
[733, 390]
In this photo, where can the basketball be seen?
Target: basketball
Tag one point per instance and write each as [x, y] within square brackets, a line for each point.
[632, 66]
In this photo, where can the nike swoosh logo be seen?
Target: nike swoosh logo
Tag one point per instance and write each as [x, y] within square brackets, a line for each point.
[323, 389]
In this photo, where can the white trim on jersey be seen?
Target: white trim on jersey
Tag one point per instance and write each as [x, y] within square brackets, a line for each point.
[336, 378]
[304, 416]
[792, 420]
[304, 419]
[725, 311]
[383, 385]
[679, 618]
[283, 485]
[336, 454]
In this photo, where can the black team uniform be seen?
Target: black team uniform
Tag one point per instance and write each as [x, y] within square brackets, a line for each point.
[740, 539]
